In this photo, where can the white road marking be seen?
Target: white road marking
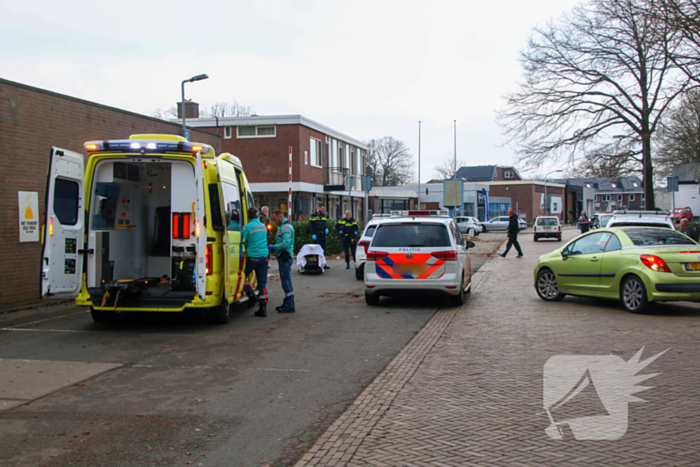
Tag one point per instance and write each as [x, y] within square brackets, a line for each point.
[49, 319]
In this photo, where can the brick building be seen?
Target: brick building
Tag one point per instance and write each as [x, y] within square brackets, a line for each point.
[528, 197]
[322, 158]
[33, 120]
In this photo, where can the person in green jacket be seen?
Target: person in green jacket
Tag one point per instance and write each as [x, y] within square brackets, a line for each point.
[254, 237]
[284, 249]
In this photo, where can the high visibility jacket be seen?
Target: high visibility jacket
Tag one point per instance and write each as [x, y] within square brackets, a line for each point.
[255, 239]
[285, 239]
[347, 228]
[318, 223]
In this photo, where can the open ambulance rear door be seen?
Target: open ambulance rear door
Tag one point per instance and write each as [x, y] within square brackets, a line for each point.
[63, 251]
[201, 230]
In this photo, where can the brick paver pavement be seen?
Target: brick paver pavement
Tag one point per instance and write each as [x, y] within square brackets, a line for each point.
[468, 389]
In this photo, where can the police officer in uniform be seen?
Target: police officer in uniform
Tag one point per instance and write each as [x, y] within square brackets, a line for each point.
[347, 228]
[318, 227]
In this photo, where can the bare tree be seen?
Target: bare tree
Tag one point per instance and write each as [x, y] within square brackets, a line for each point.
[165, 114]
[679, 138]
[603, 69]
[389, 162]
[449, 168]
[223, 109]
[683, 16]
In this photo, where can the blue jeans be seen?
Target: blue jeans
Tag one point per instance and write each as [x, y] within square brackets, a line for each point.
[259, 265]
[286, 278]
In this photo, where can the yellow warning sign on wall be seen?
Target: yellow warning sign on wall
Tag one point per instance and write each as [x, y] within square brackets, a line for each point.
[28, 216]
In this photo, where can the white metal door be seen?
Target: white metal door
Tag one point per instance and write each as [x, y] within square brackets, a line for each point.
[200, 228]
[64, 230]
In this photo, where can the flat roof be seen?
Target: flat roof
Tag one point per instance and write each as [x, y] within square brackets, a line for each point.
[272, 120]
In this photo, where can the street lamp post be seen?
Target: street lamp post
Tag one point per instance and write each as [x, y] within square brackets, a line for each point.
[194, 78]
[545, 190]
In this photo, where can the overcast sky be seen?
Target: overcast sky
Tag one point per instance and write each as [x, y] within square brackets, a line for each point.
[365, 68]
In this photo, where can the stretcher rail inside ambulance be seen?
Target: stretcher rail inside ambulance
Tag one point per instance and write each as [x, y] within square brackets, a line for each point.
[158, 221]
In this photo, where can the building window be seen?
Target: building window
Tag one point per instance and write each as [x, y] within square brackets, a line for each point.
[619, 197]
[631, 197]
[227, 132]
[316, 146]
[256, 131]
[508, 174]
[643, 196]
[606, 197]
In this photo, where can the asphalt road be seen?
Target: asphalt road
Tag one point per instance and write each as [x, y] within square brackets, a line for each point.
[252, 392]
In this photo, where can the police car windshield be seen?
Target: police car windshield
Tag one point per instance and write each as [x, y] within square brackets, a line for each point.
[410, 234]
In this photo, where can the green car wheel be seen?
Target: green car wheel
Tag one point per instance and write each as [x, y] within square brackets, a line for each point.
[547, 286]
[634, 295]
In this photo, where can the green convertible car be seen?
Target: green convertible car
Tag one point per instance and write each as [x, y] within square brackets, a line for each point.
[636, 265]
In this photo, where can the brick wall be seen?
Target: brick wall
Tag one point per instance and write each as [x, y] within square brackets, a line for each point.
[266, 160]
[31, 121]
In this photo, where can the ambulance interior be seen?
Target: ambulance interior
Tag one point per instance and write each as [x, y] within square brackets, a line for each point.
[141, 227]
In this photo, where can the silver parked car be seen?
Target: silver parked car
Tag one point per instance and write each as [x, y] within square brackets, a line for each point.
[469, 225]
[501, 223]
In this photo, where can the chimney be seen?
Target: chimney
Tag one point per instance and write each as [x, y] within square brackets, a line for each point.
[191, 109]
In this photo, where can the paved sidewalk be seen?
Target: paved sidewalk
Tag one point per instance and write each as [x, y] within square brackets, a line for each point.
[468, 389]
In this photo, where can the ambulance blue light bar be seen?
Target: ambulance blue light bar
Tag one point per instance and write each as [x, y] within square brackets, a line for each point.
[144, 146]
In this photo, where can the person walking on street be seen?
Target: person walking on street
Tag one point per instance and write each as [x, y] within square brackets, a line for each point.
[513, 229]
[254, 237]
[583, 223]
[318, 227]
[689, 230]
[347, 228]
[284, 249]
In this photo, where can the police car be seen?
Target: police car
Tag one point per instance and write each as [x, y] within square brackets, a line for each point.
[418, 252]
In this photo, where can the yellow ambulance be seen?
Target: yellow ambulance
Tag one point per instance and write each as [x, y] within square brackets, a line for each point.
[152, 223]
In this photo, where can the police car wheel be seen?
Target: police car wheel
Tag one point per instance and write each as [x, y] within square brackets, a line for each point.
[220, 314]
[458, 300]
[102, 316]
[360, 272]
[372, 299]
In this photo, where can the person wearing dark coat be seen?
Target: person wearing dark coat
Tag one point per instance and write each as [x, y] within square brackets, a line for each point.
[513, 229]
[318, 228]
[347, 228]
[689, 230]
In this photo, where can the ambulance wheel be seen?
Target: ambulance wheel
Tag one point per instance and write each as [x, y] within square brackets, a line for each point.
[360, 272]
[220, 314]
[372, 299]
[102, 316]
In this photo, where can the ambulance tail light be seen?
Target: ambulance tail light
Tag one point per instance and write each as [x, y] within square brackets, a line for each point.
[209, 260]
[181, 226]
[364, 244]
[197, 229]
[445, 255]
[376, 255]
[50, 226]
